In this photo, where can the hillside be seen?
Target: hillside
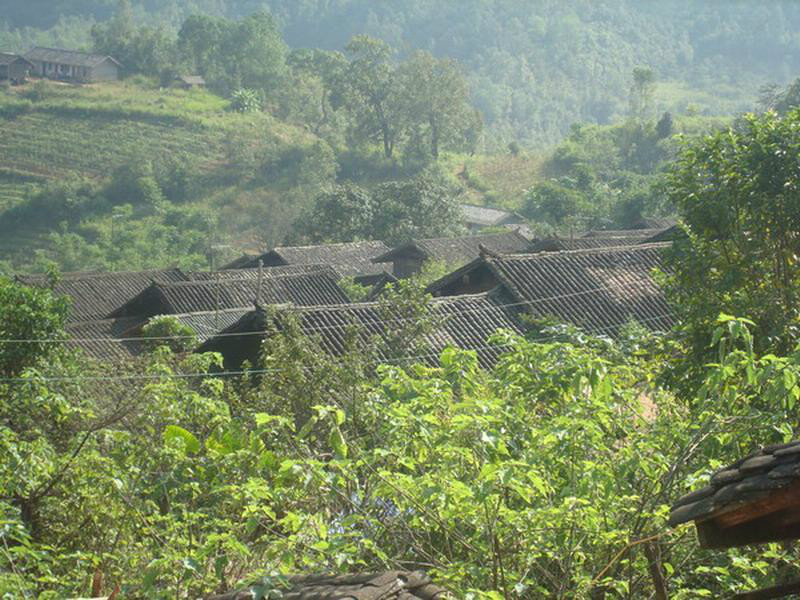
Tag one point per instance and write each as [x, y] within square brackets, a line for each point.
[534, 68]
[56, 135]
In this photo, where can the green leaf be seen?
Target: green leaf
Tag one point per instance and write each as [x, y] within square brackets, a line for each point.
[190, 444]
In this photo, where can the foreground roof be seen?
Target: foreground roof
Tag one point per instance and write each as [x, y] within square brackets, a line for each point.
[316, 288]
[389, 585]
[463, 321]
[96, 295]
[350, 259]
[68, 57]
[599, 290]
[754, 500]
[458, 250]
[486, 216]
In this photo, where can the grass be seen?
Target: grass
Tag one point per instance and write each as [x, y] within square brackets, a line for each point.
[51, 131]
[495, 180]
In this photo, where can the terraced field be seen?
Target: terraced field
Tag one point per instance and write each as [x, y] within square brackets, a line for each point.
[52, 132]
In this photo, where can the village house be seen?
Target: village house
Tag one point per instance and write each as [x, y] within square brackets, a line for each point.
[408, 259]
[14, 68]
[71, 65]
[94, 296]
[319, 288]
[350, 259]
[477, 218]
[755, 500]
[599, 290]
[465, 322]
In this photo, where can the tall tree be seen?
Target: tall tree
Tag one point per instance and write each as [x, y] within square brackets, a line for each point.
[370, 86]
[738, 192]
[435, 97]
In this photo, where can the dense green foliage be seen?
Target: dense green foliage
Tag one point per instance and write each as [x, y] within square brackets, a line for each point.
[549, 476]
[737, 191]
[534, 69]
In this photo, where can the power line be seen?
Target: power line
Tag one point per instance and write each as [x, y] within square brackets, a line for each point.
[387, 361]
[343, 307]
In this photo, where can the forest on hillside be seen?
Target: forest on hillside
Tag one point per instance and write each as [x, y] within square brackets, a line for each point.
[534, 68]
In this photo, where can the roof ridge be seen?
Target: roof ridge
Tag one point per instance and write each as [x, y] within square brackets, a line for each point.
[603, 250]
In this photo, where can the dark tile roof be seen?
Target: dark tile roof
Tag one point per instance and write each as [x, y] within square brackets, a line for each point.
[486, 216]
[98, 338]
[621, 233]
[6, 58]
[97, 295]
[748, 480]
[598, 290]
[317, 288]
[67, 57]
[389, 585]
[252, 273]
[351, 259]
[676, 232]
[557, 244]
[458, 250]
[463, 321]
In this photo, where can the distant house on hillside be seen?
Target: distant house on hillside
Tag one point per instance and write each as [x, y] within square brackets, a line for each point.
[14, 68]
[481, 217]
[71, 65]
[409, 258]
[188, 82]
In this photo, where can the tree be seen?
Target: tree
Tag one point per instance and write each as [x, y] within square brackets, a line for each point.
[369, 85]
[435, 97]
[738, 193]
[551, 202]
[32, 314]
[395, 211]
[641, 93]
[341, 213]
[249, 53]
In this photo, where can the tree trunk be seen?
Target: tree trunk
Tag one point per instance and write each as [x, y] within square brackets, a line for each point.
[434, 137]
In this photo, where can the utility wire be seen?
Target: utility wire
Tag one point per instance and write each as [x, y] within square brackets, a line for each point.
[387, 361]
[344, 308]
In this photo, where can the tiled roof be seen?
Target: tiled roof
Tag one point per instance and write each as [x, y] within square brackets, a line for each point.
[389, 585]
[96, 295]
[351, 259]
[676, 232]
[463, 321]
[458, 250]
[6, 58]
[67, 57]
[621, 233]
[317, 288]
[747, 480]
[252, 273]
[557, 244]
[598, 290]
[485, 216]
[191, 79]
[96, 338]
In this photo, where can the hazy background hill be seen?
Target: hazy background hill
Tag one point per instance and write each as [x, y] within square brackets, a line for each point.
[535, 67]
